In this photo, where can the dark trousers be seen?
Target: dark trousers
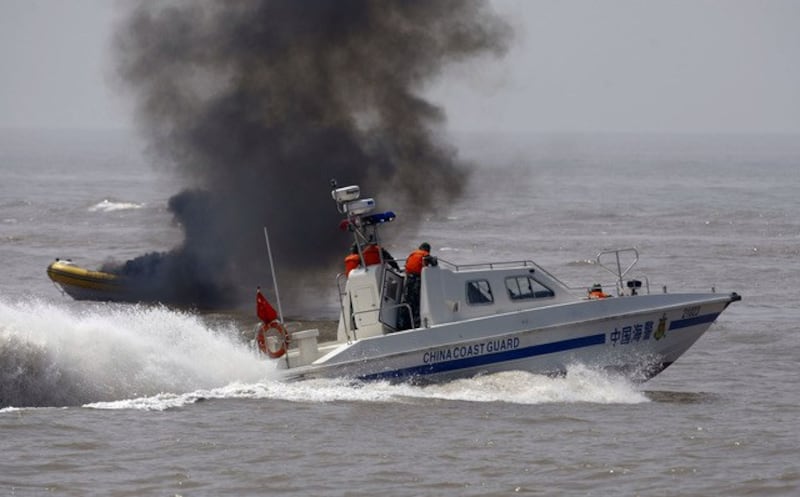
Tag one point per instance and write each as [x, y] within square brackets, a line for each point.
[411, 297]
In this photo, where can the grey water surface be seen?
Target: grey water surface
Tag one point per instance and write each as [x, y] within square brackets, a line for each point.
[131, 400]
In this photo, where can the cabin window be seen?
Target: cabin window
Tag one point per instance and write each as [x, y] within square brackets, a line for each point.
[479, 292]
[392, 283]
[525, 288]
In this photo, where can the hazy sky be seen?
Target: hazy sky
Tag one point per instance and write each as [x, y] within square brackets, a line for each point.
[602, 65]
[54, 63]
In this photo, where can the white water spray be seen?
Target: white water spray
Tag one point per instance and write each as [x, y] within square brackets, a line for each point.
[581, 384]
[154, 358]
[55, 356]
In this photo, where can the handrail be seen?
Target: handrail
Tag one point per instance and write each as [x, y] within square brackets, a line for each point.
[481, 265]
[489, 265]
[606, 284]
[397, 306]
[618, 272]
[527, 263]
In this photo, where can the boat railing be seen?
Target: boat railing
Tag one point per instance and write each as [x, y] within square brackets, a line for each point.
[488, 265]
[617, 269]
[482, 265]
[400, 307]
[612, 260]
[525, 264]
[349, 326]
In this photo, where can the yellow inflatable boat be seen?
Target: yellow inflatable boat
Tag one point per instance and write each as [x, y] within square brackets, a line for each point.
[85, 284]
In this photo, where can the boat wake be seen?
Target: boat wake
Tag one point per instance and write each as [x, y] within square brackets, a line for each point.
[581, 384]
[153, 358]
[55, 356]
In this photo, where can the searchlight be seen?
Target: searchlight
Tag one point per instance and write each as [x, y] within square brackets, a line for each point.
[359, 207]
[346, 194]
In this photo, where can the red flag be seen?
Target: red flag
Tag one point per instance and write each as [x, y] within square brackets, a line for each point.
[263, 308]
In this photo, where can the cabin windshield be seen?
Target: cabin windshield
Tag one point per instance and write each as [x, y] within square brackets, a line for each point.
[525, 288]
[479, 292]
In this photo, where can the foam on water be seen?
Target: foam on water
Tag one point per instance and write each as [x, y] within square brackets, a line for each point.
[55, 356]
[581, 384]
[154, 358]
[112, 206]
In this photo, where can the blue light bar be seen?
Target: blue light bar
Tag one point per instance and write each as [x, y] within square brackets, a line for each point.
[380, 218]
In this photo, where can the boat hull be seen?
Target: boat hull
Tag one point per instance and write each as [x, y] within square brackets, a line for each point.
[637, 336]
[84, 284]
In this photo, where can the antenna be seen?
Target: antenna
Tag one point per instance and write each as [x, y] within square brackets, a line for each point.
[274, 279]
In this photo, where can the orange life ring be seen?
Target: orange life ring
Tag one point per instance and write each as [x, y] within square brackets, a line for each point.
[275, 329]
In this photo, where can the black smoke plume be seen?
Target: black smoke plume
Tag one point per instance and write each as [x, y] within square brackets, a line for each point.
[259, 103]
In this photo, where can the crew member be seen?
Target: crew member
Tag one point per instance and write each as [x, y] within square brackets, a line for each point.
[416, 260]
[352, 261]
[596, 292]
[372, 254]
[414, 264]
[375, 254]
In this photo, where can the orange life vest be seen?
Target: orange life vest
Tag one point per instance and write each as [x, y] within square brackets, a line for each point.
[351, 262]
[372, 254]
[415, 261]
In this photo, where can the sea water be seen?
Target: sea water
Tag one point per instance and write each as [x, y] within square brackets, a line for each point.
[123, 399]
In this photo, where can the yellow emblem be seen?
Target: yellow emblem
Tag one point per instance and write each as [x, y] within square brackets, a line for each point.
[662, 328]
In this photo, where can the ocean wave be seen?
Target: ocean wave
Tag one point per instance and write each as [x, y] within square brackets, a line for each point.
[55, 356]
[579, 263]
[112, 206]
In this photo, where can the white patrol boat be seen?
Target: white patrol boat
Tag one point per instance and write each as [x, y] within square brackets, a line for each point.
[485, 318]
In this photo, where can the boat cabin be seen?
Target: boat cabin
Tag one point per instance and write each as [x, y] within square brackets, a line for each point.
[372, 298]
